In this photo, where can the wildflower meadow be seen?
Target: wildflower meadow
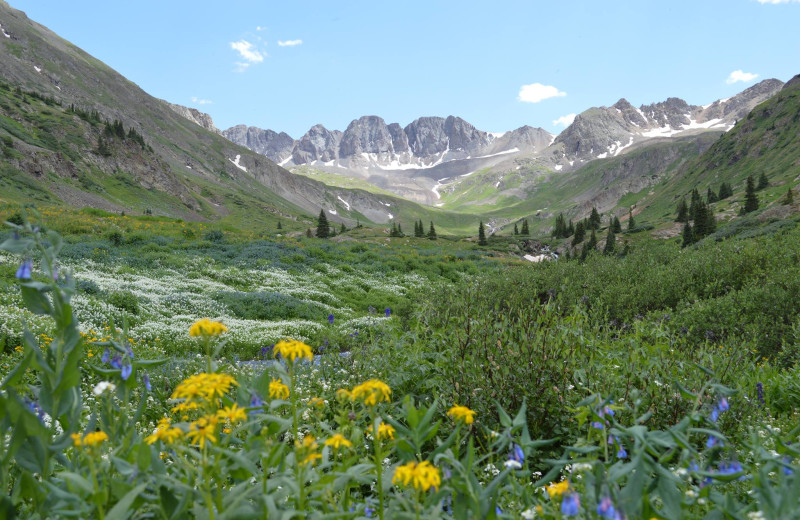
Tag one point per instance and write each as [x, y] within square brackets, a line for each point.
[215, 388]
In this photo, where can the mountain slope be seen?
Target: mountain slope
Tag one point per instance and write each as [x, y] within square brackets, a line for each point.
[182, 169]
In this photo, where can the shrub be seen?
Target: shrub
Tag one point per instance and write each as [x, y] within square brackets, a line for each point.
[124, 300]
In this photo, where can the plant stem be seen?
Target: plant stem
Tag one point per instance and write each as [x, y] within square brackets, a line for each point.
[100, 513]
[378, 465]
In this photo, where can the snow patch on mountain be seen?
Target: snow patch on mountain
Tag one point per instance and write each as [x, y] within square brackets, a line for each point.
[236, 163]
[344, 202]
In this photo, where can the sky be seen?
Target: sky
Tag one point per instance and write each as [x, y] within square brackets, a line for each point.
[499, 65]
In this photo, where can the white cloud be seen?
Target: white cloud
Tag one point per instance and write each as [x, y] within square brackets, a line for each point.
[259, 28]
[778, 1]
[564, 120]
[240, 66]
[199, 101]
[739, 75]
[247, 51]
[289, 43]
[536, 92]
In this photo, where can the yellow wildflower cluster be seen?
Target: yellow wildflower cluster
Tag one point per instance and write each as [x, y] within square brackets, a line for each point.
[371, 392]
[385, 431]
[558, 489]
[204, 387]
[422, 476]
[277, 390]
[462, 414]
[307, 451]
[164, 432]
[90, 440]
[206, 327]
[232, 413]
[317, 402]
[338, 441]
[292, 349]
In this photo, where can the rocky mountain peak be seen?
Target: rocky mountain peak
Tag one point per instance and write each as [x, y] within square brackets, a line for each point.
[276, 146]
[367, 134]
[318, 144]
[195, 116]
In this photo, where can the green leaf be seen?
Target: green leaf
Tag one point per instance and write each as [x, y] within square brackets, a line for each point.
[122, 509]
[77, 480]
[35, 300]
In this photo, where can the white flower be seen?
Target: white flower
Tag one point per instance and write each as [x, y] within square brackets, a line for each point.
[102, 387]
[513, 464]
[691, 493]
[681, 472]
[755, 515]
[581, 466]
[528, 514]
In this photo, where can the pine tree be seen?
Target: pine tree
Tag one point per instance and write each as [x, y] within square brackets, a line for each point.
[323, 228]
[711, 220]
[594, 219]
[763, 182]
[342, 229]
[279, 225]
[631, 222]
[750, 197]
[393, 232]
[694, 205]
[789, 198]
[683, 212]
[400, 230]
[711, 197]
[700, 219]
[560, 228]
[580, 233]
[432, 232]
[570, 230]
[688, 235]
[308, 233]
[592, 243]
[616, 226]
[481, 235]
[516, 230]
[725, 191]
[525, 231]
[611, 242]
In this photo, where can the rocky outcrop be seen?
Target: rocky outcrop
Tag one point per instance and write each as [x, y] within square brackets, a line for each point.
[195, 116]
[318, 144]
[276, 146]
[368, 134]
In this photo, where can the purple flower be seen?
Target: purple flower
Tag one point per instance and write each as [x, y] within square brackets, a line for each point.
[330, 319]
[24, 271]
[106, 356]
[388, 312]
[723, 405]
[116, 361]
[597, 424]
[570, 504]
[55, 273]
[606, 507]
[126, 371]
[713, 441]
[498, 511]
[760, 393]
[146, 380]
[517, 454]
[255, 402]
[266, 351]
[621, 453]
[369, 511]
[714, 414]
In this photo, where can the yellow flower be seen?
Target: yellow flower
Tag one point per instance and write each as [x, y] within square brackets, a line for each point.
[232, 413]
[338, 441]
[462, 414]
[316, 401]
[204, 387]
[421, 476]
[206, 327]
[344, 395]
[164, 432]
[556, 490]
[307, 450]
[292, 349]
[372, 392]
[277, 390]
[202, 430]
[385, 431]
[91, 439]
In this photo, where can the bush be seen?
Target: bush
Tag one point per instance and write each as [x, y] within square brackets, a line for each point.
[87, 287]
[124, 300]
[115, 237]
[215, 236]
[269, 306]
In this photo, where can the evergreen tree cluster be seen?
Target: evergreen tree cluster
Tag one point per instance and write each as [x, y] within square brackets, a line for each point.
[116, 130]
[432, 232]
[396, 231]
[92, 117]
[419, 229]
[525, 230]
[562, 229]
[323, 227]
[750, 197]
[699, 220]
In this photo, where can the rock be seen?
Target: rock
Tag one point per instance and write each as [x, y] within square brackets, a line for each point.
[318, 144]
[276, 146]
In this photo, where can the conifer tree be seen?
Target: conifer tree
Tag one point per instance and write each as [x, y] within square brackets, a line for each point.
[323, 228]
[611, 242]
[616, 226]
[631, 223]
[750, 197]
[432, 232]
[560, 228]
[400, 230]
[695, 204]
[683, 211]
[711, 220]
[342, 229]
[763, 182]
[570, 230]
[592, 243]
[700, 219]
[688, 235]
[279, 225]
[308, 233]
[481, 235]
[725, 191]
[525, 231]
[789, 198]
[393, 231]
[711, 197]
[580, 233]
[594, 219]
[516, 230]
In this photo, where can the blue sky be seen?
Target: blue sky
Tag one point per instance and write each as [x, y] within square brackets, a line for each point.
[499, 65]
